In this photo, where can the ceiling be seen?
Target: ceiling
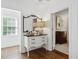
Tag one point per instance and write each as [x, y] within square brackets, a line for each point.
[28, 7]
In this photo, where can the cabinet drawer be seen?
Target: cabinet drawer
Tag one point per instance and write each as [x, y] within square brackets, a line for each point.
[37, 41]
[32, 44]
[43, 38]
[33, 39]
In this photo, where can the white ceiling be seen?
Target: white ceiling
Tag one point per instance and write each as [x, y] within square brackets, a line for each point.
[28, 6]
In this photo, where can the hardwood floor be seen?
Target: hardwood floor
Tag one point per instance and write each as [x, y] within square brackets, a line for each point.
[13, 53]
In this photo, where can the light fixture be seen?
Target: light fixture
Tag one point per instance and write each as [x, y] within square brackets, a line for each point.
[39, 24]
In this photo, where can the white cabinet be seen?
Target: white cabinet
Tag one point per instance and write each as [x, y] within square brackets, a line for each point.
[35, 42]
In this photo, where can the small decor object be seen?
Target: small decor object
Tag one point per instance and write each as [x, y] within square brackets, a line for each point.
[59, 22]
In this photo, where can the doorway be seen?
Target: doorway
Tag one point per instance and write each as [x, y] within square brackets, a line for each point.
[60, 31]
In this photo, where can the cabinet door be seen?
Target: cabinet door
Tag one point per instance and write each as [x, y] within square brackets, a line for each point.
[61, 37]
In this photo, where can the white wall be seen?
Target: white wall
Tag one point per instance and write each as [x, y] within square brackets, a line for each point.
[41, 9]
[64, 16]
[53, 8]
[27, 7]
[73, 35]
[14, 39]
[73, 29]
[44, 9]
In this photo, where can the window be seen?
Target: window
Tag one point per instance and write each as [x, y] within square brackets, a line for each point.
[9, 25]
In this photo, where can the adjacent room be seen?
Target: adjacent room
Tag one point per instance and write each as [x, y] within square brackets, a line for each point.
[38, 29]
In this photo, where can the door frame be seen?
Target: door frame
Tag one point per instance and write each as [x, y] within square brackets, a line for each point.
[54, 28]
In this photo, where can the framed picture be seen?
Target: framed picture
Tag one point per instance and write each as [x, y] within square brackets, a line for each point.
[59, 22]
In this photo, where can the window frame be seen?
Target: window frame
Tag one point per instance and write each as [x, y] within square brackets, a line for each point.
[9, 25]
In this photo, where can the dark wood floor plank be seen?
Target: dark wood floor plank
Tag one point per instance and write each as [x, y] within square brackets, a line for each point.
[13, 53]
